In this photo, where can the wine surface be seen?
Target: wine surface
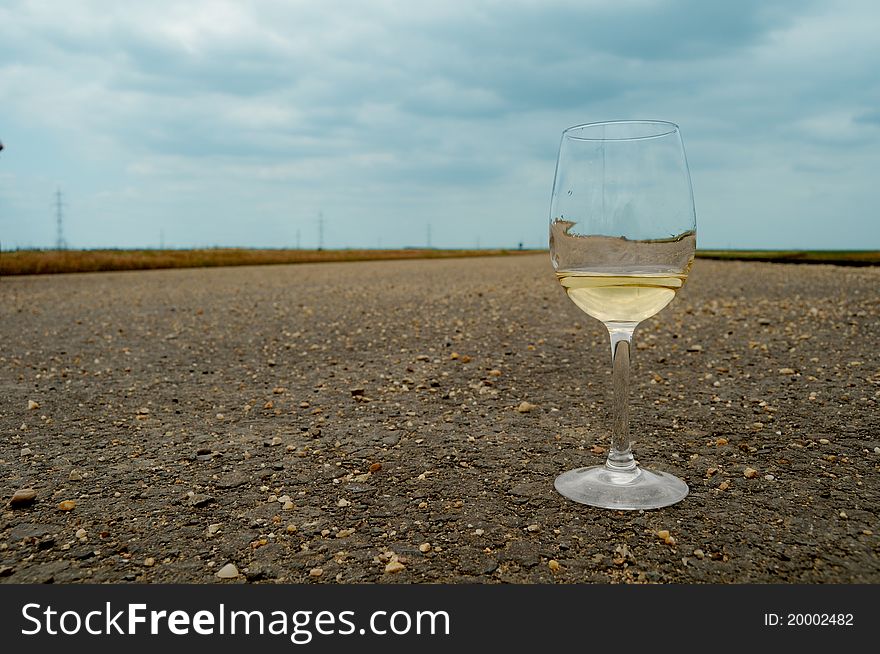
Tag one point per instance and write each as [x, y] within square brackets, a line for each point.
[620, 296]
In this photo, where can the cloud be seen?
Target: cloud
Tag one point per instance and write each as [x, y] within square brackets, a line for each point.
[390, 113]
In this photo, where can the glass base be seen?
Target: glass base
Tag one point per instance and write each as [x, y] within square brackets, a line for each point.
[628, 490]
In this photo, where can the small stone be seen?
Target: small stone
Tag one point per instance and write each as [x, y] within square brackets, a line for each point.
[291, 529]
[763, 321]
[394, 566]
[669, 540]
[465, 358]
[724, 485]
[425, 547]
[786, 371]
[279, 390]
[824, 441]
[479, 532]
[344, 533]
[376, 467]
[75, 475]
[316, 572]
[533, 527]
[288, 505]
[757, 426]
[80, 533]
[750, 473]
[214, 528]
[200, 499]
[554, 566]
[149, 562]
[720, 442]
[525, 407]
[33, 405]
[700, 554]
[23, 497]
[494, 373]
[342, 503]
[597, 449]
[843, 515]
[769, 477]
[695, 348]
[26, 451]
[357, 392]
[67, 505]
[663, 534]
[228, 571]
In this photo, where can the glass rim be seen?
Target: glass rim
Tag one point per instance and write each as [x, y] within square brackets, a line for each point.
[665, 128]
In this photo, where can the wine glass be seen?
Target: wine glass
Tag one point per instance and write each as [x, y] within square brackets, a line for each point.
[622, 241]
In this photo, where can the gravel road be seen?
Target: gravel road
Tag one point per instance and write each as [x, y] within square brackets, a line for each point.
[401, 422]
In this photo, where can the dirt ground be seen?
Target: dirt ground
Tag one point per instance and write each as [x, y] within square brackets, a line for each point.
[364, 422]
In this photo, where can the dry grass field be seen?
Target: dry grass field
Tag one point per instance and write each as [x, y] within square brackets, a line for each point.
[40, 262]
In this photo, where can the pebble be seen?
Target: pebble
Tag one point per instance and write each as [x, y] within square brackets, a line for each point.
[33, 405]
[842, 514]
[494, 373]
[786, 371]
[288, 505]
[26, 451]
[75, 475]
[344, 533]
[824, 441]
[724, 485]
[393, 567]
[699, 553]
[425, 547]
[525, 407]
[720, 441]
[80, 533]
[553, 564]
[228, 571]
[23, 497]
[213, 528]
[67, 505]
[750, 473]
[695, 348]
[200, 499]
[663, 534]
[316, 572]
[479, 532]
[342, 503]
[534, 527]
[149, 562]
[376, 467]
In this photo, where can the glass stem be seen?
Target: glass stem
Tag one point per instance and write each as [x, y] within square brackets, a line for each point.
[620, 458]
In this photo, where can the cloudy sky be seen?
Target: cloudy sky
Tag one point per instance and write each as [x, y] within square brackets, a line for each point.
[239, 123]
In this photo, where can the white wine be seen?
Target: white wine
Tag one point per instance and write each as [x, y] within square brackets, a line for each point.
[620, 296]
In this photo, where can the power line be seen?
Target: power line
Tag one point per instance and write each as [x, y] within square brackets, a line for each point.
[320, 230]
[60, 243]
